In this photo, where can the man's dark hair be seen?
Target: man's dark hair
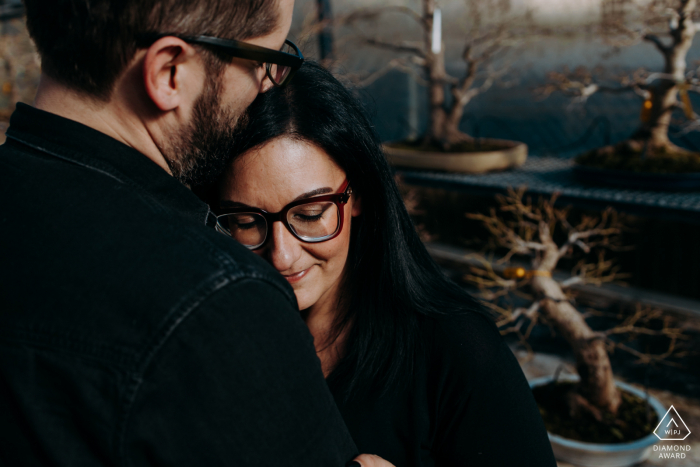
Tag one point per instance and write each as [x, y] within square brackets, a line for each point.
[86, 44]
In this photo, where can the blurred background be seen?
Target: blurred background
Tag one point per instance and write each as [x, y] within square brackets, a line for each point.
[530, 86]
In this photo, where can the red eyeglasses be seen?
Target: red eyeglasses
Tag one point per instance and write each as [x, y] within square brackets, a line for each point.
[311, 220]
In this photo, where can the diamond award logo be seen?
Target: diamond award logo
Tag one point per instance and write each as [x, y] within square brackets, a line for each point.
[672, 427]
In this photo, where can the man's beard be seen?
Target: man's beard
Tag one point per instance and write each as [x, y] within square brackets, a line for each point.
[198, 154]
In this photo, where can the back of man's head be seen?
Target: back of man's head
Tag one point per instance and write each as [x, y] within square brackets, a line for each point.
[86, 44]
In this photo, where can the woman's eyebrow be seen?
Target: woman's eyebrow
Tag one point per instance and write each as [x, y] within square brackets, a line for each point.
[317, 191]
[226, 203]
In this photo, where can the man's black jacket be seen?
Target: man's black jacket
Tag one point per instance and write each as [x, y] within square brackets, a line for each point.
[131, 332]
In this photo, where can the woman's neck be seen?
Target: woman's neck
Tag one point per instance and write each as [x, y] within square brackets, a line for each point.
[320, 319]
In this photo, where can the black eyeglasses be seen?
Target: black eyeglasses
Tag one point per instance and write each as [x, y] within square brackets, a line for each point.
[311, 220]
[280, 65]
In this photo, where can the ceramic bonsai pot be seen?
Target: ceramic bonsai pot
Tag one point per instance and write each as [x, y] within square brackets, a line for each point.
[510, 154]
[603, 455]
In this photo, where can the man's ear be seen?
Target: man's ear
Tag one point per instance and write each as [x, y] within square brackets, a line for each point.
[173, 73]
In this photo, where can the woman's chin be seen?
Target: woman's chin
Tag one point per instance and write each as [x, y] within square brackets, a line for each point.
[303, 300]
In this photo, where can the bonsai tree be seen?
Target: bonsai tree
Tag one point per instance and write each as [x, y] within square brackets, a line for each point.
[669, 27]
[544, 235]
[489, 36]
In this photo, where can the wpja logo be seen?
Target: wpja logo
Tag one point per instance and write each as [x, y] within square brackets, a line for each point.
[672, 427]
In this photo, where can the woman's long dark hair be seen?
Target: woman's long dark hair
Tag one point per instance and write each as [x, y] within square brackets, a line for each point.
[392, 283]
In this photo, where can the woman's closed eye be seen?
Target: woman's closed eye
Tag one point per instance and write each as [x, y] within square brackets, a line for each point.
[245, 226]
[308, 217]
[311, 213]
[245, 222]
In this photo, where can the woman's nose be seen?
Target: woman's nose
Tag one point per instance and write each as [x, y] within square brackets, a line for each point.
[284, 249]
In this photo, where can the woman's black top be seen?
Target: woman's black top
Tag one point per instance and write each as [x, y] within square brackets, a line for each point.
[468, 404]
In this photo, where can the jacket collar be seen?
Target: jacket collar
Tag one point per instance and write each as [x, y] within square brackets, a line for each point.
[79, 144]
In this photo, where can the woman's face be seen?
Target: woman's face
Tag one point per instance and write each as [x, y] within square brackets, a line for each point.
[274, 175]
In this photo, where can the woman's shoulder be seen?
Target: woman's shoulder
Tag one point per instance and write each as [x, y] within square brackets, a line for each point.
[466, 329]
[477, 387]
[466, 343]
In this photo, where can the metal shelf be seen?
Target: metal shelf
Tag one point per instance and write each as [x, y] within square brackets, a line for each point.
[548, 175]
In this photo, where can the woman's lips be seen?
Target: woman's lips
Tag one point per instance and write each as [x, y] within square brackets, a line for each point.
[296, 277]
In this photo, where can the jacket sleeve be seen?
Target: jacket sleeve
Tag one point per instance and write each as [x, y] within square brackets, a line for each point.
[237, 383]
[486, 413]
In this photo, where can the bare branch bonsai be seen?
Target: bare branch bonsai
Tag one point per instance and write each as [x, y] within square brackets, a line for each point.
[669, 26]
[483, 52]
[544, 234]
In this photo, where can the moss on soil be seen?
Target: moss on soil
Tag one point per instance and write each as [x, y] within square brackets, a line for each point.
[630, 424]
[466, 146]
[624, 157]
